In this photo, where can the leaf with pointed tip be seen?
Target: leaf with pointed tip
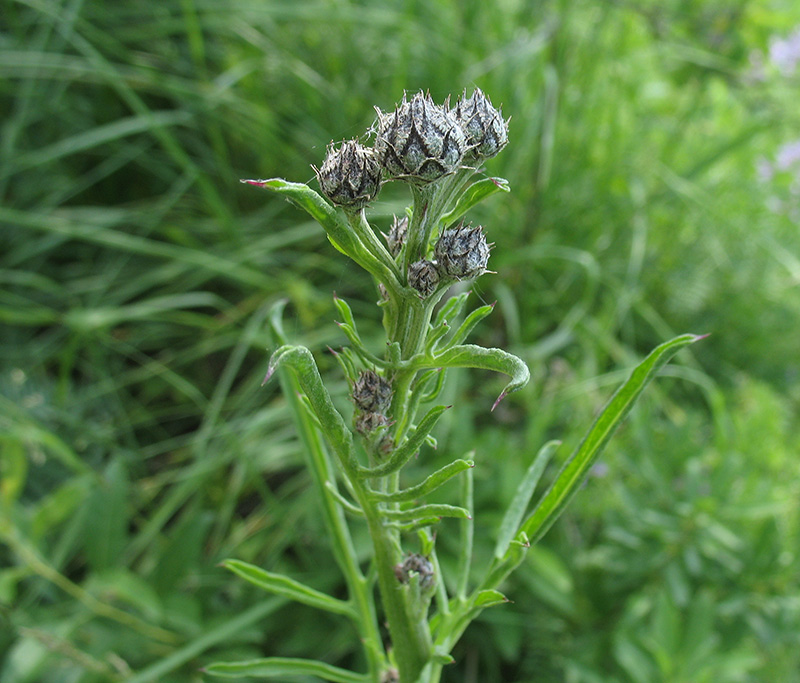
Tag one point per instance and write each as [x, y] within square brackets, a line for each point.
[442, 658]
[424, 511]
[433, 482]
[451, 308]
[340, 234]
[519, 503]
[577, 467]
[472, 356]
[489, 598]
[469, 324]
[473, 195]
[280, 667]
[300, 360]
[314, 204]
[288, 588]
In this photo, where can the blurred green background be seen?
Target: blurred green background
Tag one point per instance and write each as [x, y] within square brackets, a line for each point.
[655, 175]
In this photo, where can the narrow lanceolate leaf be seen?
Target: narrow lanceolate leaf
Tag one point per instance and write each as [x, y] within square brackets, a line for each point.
[424, 511]
[433, 482]
[575, 470]
[280, 667]
[519, 503]
[473, 195]
[451, 308]
[471, 356]
[315, 205]
[288, 588]
[488, 598]
[340, 234]
[408, 448]
[300, 360]
[463, 331]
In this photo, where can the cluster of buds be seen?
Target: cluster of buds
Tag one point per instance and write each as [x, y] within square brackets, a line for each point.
[461, 253]
[418, 142]
[372, 395]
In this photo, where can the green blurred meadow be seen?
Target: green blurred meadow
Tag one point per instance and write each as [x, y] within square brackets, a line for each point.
[654, 192]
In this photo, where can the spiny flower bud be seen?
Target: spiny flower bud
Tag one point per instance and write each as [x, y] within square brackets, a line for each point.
[420, 565]
[372, 393]
[462, 252]
[419, 141]
[483, 125]
[424, 277]
[397, 235]
[366, 423]
[350, 176]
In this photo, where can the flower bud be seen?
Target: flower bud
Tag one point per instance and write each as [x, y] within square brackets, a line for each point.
[418, 564]
[424, 277]
[483, 125]
[462, 252]
[420, 141]
[350, 176]
[366, 423]
[372, 393]
[397, 235]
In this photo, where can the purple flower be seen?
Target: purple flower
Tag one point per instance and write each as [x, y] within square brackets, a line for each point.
[784, 53]
[788, 155]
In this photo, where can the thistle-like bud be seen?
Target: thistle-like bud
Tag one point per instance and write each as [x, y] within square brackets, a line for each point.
[483, 125]
[397, 235]
[419, 141]
[418, 564]
[350, 176]
[424, 277]
[372, 393]
[462, 252]
[366, 423]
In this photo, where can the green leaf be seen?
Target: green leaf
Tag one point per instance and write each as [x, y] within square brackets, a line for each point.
[288, 588]
[473, 195]
[321, 211]
[451, 308]
[443, 658]
[300, 360]
[14, 471]
[107, 519]
[471, 356]
[426, 511]
[274, 667]
[575, 470]
[433, 482]
[488, 598]
[469, 324]
[348, 326]
[519, 504]
[341, 235]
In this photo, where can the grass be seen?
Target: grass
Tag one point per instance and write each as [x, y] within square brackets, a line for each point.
[138, 449]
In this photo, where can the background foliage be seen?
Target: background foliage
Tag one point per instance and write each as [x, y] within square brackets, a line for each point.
[649, 197]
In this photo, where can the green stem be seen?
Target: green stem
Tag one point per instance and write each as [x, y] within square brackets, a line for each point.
[342, 543]
[411, 639]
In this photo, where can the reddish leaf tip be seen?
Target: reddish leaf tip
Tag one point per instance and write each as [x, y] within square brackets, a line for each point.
[257, 183]
[497, 402]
